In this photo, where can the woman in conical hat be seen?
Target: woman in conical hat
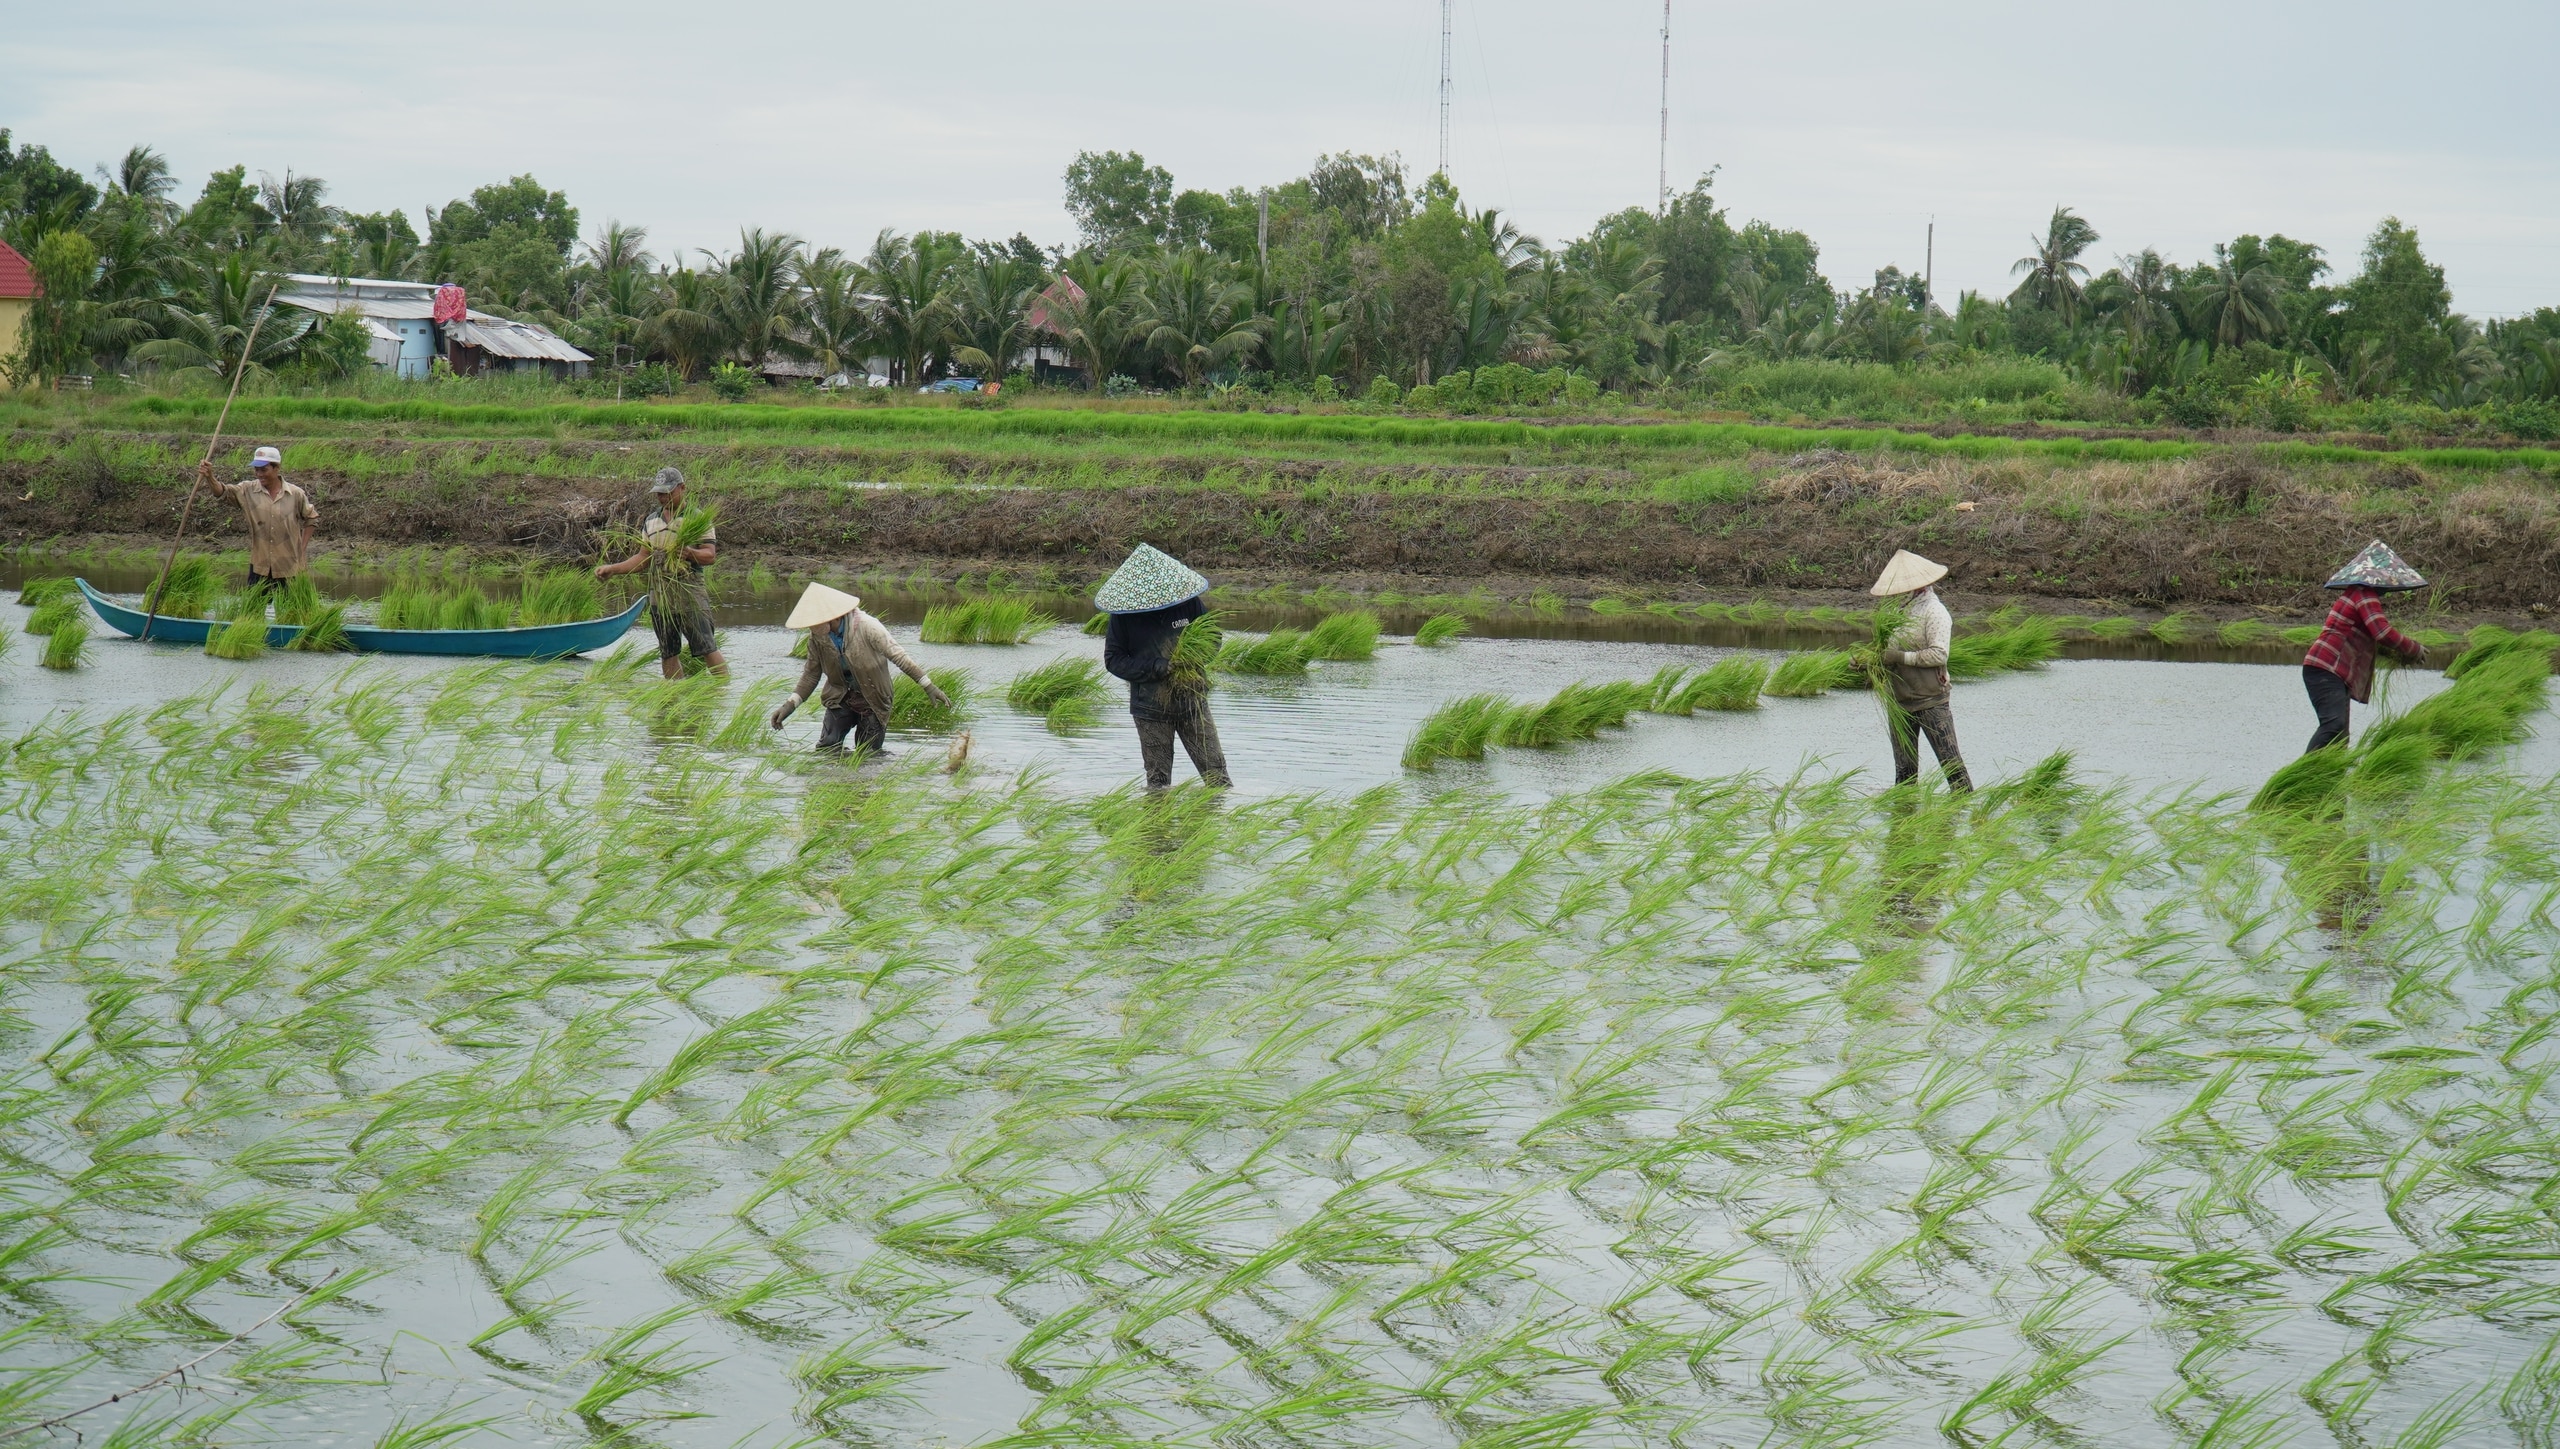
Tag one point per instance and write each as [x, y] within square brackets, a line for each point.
[2339, 666]
[850, 656]
[1151, 599]
[1915, 659]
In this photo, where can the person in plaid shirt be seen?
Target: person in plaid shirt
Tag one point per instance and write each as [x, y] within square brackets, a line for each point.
[2339, 666]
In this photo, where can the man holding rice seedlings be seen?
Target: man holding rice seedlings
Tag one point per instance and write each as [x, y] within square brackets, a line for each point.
[850, 655]
[1152, 599]
[1914, 660]
[674, 551]
[2339, 666]
[281, 518]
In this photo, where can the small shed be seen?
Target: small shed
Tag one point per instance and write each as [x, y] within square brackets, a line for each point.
[18, 292]
[407, 339]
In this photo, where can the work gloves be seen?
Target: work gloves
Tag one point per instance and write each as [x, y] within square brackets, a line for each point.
[783, 710]
[934, 692]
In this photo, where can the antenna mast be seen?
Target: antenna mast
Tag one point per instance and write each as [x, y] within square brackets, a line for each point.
[1444, 86]
[1662, 181]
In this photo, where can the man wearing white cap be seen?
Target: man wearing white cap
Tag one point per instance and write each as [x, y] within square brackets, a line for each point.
[281, 518]
[1915, 660]
[850, 655]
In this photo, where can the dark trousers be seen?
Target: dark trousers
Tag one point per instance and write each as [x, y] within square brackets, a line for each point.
[2329, 701]
[259, 582]
[868, 730]
[1199, 735]
[1938, 722]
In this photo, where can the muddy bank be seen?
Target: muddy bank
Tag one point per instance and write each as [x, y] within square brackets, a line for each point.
[2226, 533]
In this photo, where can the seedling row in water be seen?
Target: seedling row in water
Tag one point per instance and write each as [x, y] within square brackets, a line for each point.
[624, 1064]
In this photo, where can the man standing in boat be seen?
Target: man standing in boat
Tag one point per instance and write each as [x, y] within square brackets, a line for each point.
[850, 656]
[1915, 662]
[679, 602]
[281, 518]
[1151, 599]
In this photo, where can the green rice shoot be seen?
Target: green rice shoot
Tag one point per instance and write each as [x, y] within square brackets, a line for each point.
[1439, 629]
[67, 647]
[245, 637]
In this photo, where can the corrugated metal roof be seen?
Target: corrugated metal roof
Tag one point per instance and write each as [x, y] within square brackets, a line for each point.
[17, 279]
[501, 338]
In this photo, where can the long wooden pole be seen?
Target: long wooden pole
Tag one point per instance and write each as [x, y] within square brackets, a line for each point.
[151, 601]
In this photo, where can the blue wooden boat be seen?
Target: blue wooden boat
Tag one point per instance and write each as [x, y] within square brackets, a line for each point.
[538, 641]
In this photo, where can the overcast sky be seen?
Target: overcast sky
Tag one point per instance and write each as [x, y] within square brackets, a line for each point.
[2173, 125]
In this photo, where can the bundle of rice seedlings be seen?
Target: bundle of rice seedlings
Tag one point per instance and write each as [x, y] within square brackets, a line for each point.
[55, 612]
[191, 586]
[68, 648]
[7, 639]
[1577, 712]
[910, 708]
[1458, 730]
[2312, 782]
[2489, 642]
[1662, 692]
[2176, 628]
[1887, 619]
[2486, 708]
[991, 620]
[1815, 671]
[298, 601]
[557, 596]
[1344, 636]
[245, 637]
[324, 632]
[2119, 627]
[39, 591]
[468, 608]
[1097, 626]
[1037, 691]
[1198, 648]
[1439, 629]
[1727, 684]
[2301, 635]
[2241, 633]
[1282, 651]
[2028, 644]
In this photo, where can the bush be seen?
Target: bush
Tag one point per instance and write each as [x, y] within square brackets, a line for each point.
[1727, 483]
[2531, 418]
[1425, 398]
[1383, 391]
[733, 382]
[651, 379]
[1580, 390]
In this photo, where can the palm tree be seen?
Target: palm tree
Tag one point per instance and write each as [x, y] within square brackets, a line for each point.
[687, 329]
[2140, 293]
[2053, 271]
[907, 277]
[1308, 340]
[1092, 312]
[836, 316]
[2235, 308]
[209, 330]
[620, 247]
[760, 307]
[1487, 314]
[991, 302]
[1198, 314]
[298, 208]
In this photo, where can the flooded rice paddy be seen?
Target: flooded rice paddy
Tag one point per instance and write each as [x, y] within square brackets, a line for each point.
[585, 1064]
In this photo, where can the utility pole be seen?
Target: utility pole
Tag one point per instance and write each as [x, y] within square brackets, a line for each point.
[1662, 180]
[1262, 237]
[1929, 269]
[1444, 86]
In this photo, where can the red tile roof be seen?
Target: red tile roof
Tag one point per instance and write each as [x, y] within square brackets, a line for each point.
[17, 279]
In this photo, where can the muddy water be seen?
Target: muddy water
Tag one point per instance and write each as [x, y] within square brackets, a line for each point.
[2144, 723]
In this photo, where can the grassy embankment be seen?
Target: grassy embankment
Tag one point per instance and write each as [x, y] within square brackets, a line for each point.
[1613, 512]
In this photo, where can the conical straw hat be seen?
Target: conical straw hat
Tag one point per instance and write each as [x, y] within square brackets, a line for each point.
[1151, 579]
[2377, 568]
[1904, 572]
[819, 604]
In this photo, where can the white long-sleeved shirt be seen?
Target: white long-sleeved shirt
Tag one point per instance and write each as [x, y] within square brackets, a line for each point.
[1925, 634]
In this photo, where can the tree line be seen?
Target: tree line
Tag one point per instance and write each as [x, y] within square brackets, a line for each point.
[1354, 278]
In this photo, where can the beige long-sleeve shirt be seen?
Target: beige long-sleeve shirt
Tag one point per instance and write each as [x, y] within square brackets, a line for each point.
[279, 526]
[1925, 634]
[862, 664]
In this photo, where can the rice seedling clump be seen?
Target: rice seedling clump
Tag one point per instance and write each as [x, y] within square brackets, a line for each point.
[1439, 629]
[67, 647]
[1282, 651]
[561, 1064]
[993, 619]
[57, 610]
[1067, 692]
[1345, 636]
[34, 592]
[1815, 672]
[245, 637]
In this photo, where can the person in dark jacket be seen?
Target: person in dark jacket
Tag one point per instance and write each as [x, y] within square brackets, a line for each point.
[2339, 666]
[1151, 599]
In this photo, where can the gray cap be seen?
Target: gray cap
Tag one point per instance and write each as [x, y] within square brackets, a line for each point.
[669, 480]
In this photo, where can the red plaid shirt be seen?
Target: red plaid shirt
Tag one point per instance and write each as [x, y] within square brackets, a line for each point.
[2347, 639]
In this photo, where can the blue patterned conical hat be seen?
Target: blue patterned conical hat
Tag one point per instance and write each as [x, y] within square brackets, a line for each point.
[2377, 568]
[1151, 579]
